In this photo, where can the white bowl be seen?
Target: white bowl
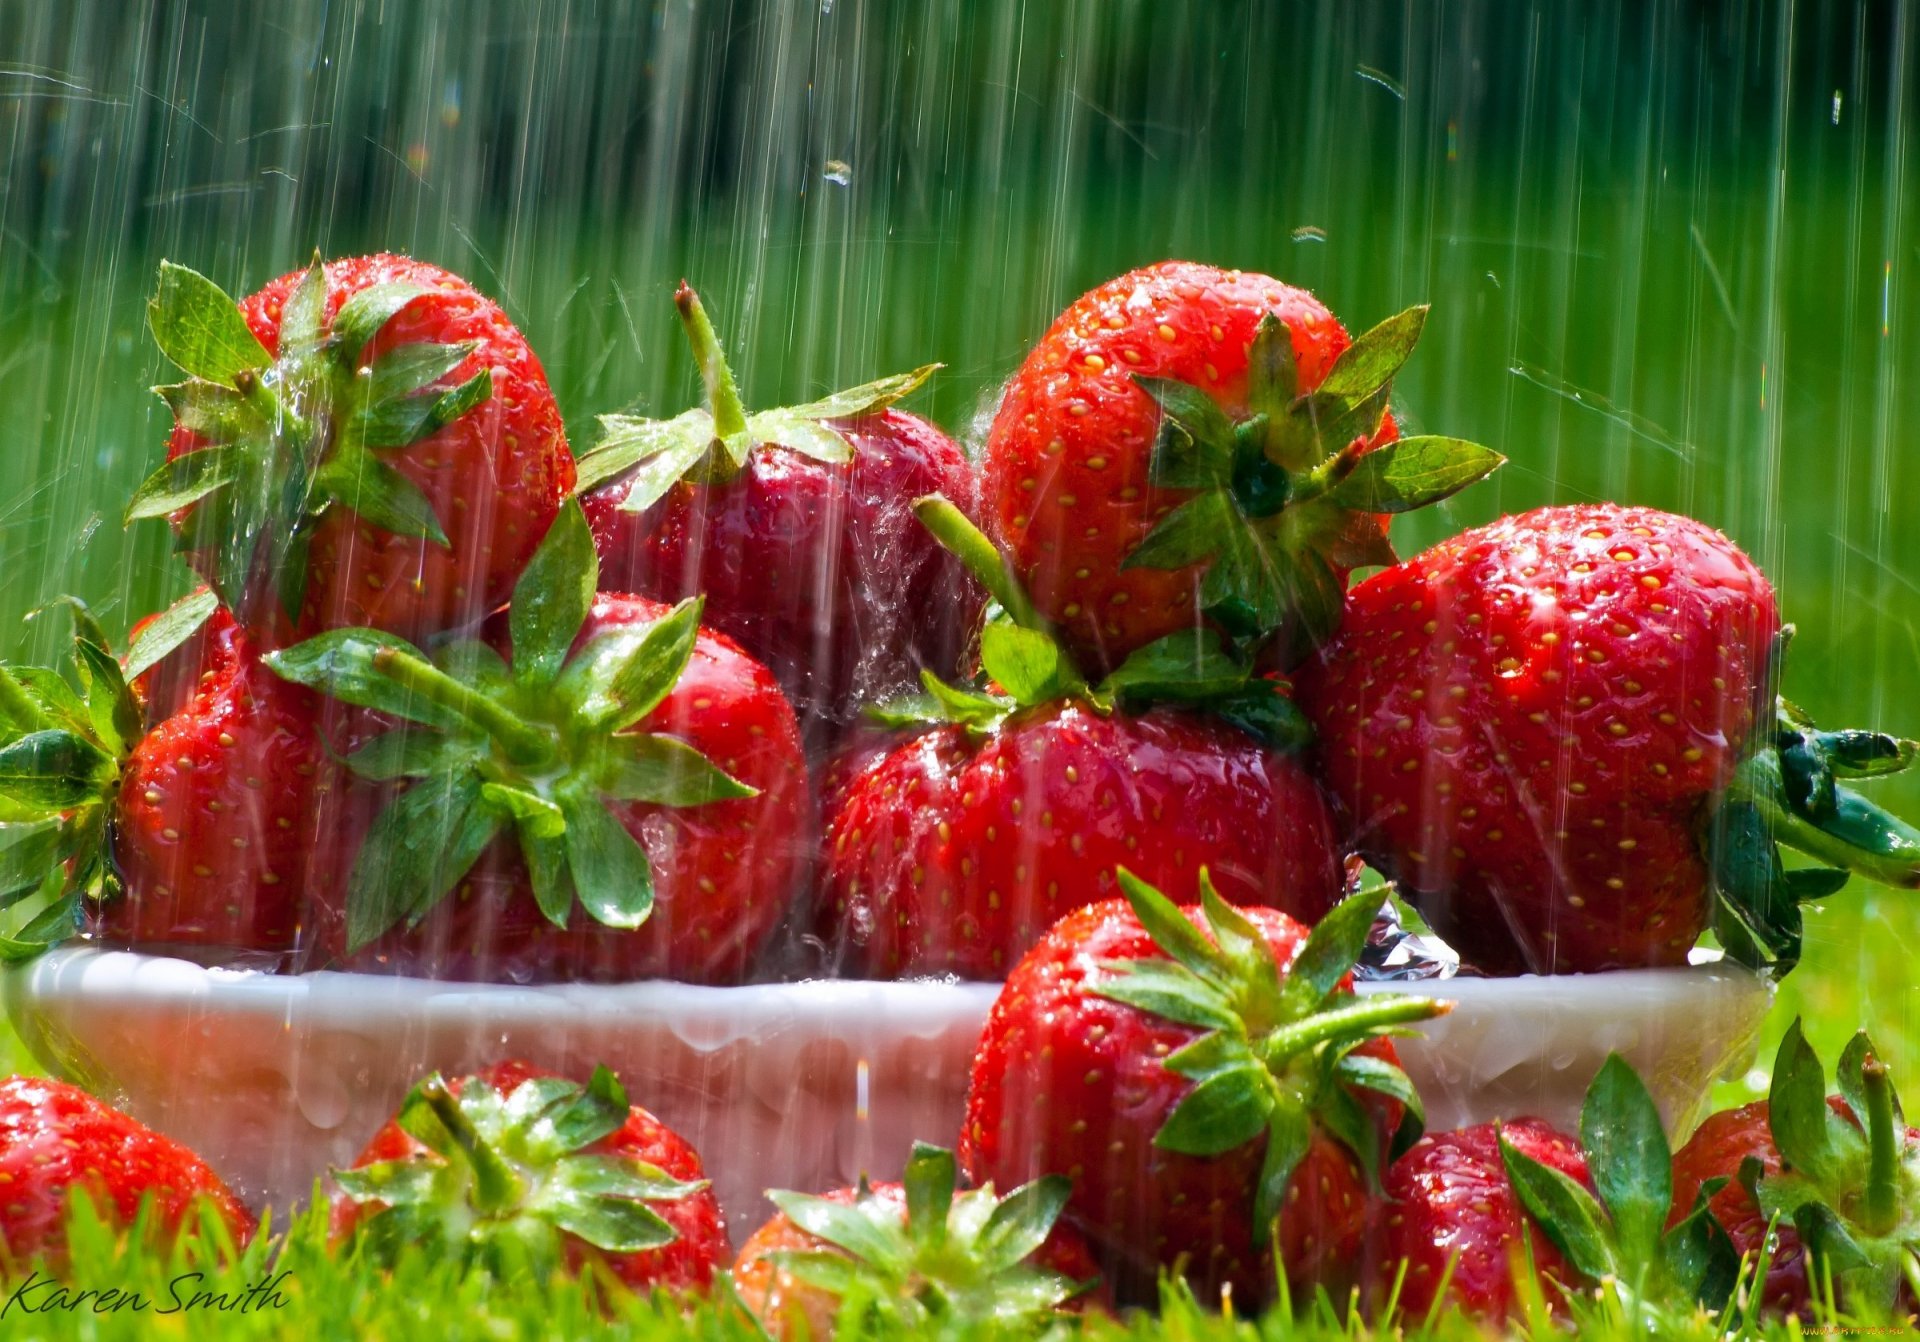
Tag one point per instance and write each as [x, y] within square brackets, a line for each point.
[804, 1085]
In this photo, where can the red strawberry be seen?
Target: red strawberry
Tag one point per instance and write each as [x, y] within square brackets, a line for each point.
[1847, 1171]
[917, 1253]
[1451, 1216]
[366, 443]
[522, 1172]
[1178, 446]
[598, 746]
[56, 1139]
[1198, 1074]
[1531, 726]
[796, 526]
[962, 846]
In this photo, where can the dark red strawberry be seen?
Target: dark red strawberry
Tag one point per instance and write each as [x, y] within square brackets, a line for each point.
[1207, 1081]
[366, 443]
[1841, 1172]
[55, 1139]
[796, 526]
[953, 854]
[918, 1254]
[522, 1172]
[1532, 727]
[1184, 443]
[600, 790]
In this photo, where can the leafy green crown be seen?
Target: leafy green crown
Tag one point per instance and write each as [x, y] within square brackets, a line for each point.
[544, 747]
[283, 439]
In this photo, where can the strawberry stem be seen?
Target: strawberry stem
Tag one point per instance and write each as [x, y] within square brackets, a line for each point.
[524, 743]
[1859, 836]
[1882, 1210]
[495, 1186]
[723, 397]
[957, 533]
[1364, 1016]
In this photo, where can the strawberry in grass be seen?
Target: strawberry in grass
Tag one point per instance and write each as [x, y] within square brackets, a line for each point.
[796, 526]
[599, 789]
[1557, 733]
[914, 1255]
[57, 1140]
[1188, 443]
[523, 1173]
[368, 442]
[1206, 1079]
[954, 852]
[1841, 1173]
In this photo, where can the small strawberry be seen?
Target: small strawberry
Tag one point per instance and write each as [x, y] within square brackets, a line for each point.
[954, 853]
[55, 1139]
[1190, 443]
[1206, 1079]
[195, 833]
[1841, 1173]
[595, 750]
[368, 442]
[523, 1173]
[917, 1254]
[1545, 730]
[795, 525]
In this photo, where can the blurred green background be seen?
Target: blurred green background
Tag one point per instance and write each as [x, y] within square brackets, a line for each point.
[1670, 247]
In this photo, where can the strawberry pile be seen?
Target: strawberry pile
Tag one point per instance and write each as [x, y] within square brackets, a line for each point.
[1098, 711]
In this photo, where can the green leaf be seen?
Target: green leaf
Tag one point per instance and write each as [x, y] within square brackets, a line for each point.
[409, 753]
[599, 1109]
[362, 316]
[385, 425]
[169, 630]
[1028, 664]
[1850, 1080]
[184, 481]
[304, 311]
[928, 1183]
[615, 1225]
[1289, 1135]
[347, 664]
[1413, 473]
[1825, 1234]
[395, 1183]
[1365, 1072]
[1188, 666]
[53, 770]
[552, 879]
[380, 494]
[1242, 946]
[618, 1176]
[1698, 1255]
[1797, 1106]
[797, 433]
[666, 772]
[553, 597]
[1020, 1224]
[866, 398]
[675, 444]
[1168, 991]
[54, 924]
[215, 414]
[611, 873]
[1564, 1211]
[1273, 372]
[406, 370]
[1329, 953]
[1370, 362]
[1196, 530]
[969, 708]
[1227, 1109]
[627, 678]
[1171, 931]
[530, 812]
[1627, 1157]
[1194, 447]
[200, 329]
[415, 851]
[28, 853]
[825, 1270]
[874, 1238]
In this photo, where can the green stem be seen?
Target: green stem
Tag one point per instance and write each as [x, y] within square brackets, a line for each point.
[17, 708]
[1883, 1201]
[1858, 836]
[523, 742]
[723, 397]
[495, 1186]
[1364, 1016]
[957, 533]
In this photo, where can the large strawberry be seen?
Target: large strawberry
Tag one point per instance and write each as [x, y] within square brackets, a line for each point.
[1206, 1079]
[369, 442]
[600, 789]
[1840, 1173]
[915, 1255]
[524, 1173]
[1557, 732]
[56, 1140]
[195, 833]
[954, 853]
[796, 526]
[1191, 443]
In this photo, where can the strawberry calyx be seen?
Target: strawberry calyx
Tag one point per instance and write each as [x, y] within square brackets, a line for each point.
[711, 444]
[1025, 663]
[505, 1180]
[1621, 1235]
[1849, 1177]
[281, 439]
[543, 746]
[1285, 500]
[951, 1257]
[1277, 1054]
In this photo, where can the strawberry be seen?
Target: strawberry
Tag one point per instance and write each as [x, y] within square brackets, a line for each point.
[1206, 1079]
[521, 1172]
[594, 749]
[196, 833]
[1546, 730]
[368, 442]
[917, 1254]
[1187, 443]
[955, 852]
[55, 1140]
[1841, 1172]
[795, 525]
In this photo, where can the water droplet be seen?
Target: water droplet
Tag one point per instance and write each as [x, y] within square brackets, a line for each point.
[838, 172]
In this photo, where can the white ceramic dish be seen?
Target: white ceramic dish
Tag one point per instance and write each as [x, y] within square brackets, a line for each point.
[800, 1085]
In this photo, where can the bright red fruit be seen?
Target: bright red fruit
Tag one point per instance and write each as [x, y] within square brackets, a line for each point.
[1715, 1151]
[797, 527]
[531, 1173]
[1089, 1067]
[1450, 1214]
[56, 1139]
